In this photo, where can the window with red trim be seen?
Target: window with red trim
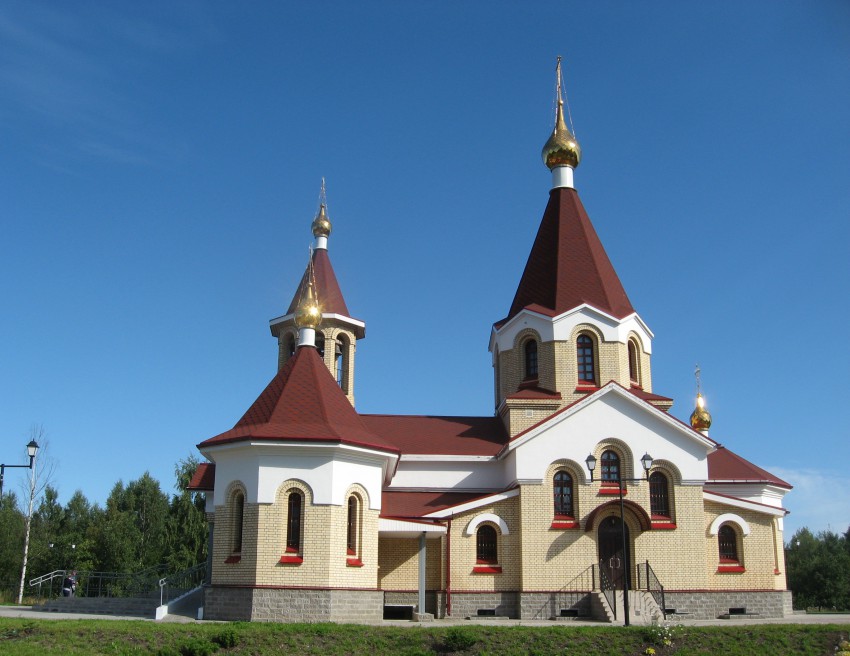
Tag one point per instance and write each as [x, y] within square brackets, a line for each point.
[727, 542]
[634, 369]
[238, 521]
[294, 506]
[610, 467]
[659, 495]
[531, 367]
[351, 539]
[585, 359]
[563, 493]
[486, 545]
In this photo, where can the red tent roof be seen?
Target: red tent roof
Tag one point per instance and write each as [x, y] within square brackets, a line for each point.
[473, 436]
[327, 287]
[303, 402]
[203, 480]
[568, 266]
[725, 466]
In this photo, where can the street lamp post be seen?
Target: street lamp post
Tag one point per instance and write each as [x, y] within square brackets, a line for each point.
[646, 461]
[32, 449]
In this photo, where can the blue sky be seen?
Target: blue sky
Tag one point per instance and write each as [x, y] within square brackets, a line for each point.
[160, 167]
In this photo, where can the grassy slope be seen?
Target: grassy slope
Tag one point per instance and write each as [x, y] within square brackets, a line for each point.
[19, 637]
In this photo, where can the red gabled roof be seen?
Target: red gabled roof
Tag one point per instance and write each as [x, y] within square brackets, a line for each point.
[203, 480]
[419, 504]
[568, 266]
[724, 466]
[303, 402]
[327, 287]
[468, 436]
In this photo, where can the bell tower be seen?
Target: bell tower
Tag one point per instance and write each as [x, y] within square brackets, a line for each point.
[571, 328]
[338, 333]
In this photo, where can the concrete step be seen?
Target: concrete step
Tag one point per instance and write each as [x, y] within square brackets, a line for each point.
[135, 606]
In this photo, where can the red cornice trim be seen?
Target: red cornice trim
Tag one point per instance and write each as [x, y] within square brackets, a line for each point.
[730, 569]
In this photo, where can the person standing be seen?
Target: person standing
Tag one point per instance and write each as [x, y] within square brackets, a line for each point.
[69, 585]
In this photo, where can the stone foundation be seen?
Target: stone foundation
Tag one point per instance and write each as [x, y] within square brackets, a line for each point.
[546, 605]
[287, 605]
[467, 604]
[711, 605]
[434, 601]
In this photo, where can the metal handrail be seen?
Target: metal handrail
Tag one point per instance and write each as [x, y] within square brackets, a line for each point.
[102, 584]
[176, 585]
[607, 588]
[653, 585]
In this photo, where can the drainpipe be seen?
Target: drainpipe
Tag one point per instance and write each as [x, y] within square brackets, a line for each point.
[422, 573]
[449, 567]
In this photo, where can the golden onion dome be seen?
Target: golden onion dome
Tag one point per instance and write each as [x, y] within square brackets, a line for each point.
[321, 224]
[308, 314]
[561, 149]
[700, 418]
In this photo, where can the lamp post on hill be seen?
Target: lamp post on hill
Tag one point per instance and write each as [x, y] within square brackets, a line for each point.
[32, 450]
[646, 461]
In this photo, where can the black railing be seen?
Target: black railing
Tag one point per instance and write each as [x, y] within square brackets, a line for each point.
[99, 584]
[608, 589]
[647, 580]
[176, 585]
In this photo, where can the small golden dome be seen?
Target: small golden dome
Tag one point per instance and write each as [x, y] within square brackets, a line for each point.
[321, 224]
[561, 149]
[308, 314]
[701, 418]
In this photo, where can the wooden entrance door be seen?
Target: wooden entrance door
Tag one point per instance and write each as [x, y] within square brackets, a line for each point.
[611, 557]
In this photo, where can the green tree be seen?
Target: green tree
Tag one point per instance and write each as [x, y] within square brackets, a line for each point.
[187, 524]
[819, 570]
[11, 543]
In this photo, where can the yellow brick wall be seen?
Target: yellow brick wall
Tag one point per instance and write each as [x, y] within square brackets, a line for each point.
[755, 551]
[341, 574]
[399, 564]
[463, 550]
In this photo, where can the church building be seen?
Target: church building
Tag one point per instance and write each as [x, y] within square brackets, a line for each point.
[581, 485]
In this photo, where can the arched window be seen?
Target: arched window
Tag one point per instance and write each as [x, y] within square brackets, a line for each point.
[585, 359]
[531, 359]
[563, 486]
[289, 346]
[320, 344]
[294, 507]
[634, 363]
[659, 495]
[610, 467]
[238, 520]
[727, 542]
[485, 544]
[340, 362]
[351, 539]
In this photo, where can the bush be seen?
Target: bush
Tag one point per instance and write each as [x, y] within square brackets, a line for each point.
[197, 647]
[458, 639]
[226, 638]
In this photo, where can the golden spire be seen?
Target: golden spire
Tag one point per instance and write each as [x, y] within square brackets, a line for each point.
[309, 313]
[561, 149]
[700, 418]
[321, 224]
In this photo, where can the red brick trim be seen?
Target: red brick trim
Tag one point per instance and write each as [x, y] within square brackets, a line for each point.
[612, 490]
[291, 560]
[353, 562]
[230, 560]
[730, 569]
[663, 526]
[560, 524]
[486, 569]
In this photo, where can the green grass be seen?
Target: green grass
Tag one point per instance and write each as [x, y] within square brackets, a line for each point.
[21, 637]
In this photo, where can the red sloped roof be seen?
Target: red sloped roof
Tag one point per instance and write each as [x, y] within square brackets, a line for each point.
[327, 287]
[648, 396]
[303, 402]
[419, 504]
[203, 479]
[468, 436]
[568, 266]
[535, 393]
[726, 466]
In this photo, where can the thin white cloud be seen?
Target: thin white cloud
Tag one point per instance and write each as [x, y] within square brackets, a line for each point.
[819, 500]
